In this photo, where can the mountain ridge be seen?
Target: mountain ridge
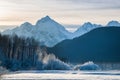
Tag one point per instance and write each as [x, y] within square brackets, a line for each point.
[49, 32]
[98, 45]
[46, 31]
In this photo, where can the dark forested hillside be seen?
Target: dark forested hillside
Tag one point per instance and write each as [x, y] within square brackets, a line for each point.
[98, 45]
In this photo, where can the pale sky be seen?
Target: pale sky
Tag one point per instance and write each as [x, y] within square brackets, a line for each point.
[15, 12]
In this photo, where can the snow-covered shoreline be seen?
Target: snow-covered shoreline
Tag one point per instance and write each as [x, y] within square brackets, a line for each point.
[63, 74]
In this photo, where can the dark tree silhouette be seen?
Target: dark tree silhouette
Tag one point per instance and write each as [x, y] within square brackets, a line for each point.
[18, 53]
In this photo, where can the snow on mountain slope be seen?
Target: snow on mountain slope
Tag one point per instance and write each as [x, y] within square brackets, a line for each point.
[23, 31]
[113, 23]
[86, 27]
[50, 31]
[46, 30]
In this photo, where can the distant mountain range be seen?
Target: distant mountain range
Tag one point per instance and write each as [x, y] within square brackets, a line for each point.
[98, 45]
[48, 32]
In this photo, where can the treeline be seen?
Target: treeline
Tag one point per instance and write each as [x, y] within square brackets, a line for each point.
[18, 53]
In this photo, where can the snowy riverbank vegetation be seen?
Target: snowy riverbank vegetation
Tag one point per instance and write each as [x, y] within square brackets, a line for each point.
[26, 54]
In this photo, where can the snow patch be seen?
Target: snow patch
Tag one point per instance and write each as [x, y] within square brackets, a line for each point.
[53, 63]
[87, 66]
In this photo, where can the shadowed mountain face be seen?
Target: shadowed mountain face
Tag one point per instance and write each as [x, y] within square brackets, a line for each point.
[98, 45]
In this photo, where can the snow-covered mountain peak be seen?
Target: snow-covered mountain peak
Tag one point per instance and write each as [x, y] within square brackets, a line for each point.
[113, 23]
[26, 24]
[87, 25]
[50, 31]
[24, 29]
[48, 25]
[44, 20]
